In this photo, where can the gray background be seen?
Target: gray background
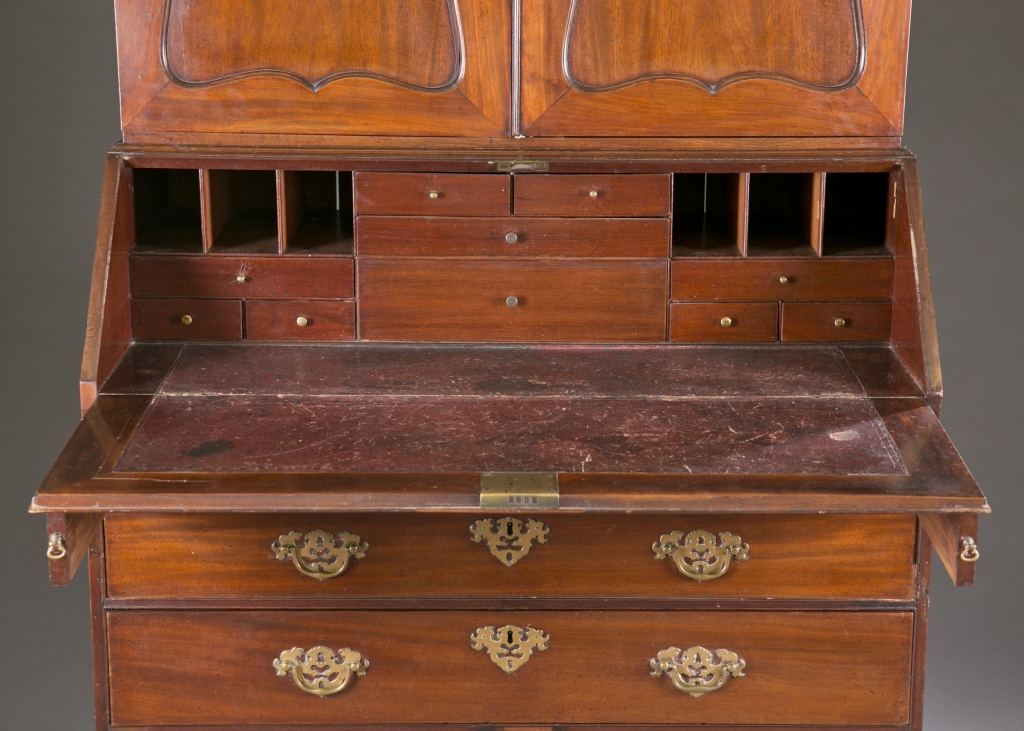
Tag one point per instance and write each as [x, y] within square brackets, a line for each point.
[964, 110]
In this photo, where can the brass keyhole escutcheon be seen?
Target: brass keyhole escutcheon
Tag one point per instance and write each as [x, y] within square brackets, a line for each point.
[510, 647]
[509, 539]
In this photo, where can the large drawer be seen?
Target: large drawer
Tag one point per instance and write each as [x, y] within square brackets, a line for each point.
[516, 301]
[845, 557]
[512, 237]
[242, 277]
[794, 668]
[787, 280]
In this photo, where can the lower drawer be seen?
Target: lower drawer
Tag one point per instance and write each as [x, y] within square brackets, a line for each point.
[836, 321]
[301, 320]
[217, 668]
[725, 322]
[510, 301]
[185, 319]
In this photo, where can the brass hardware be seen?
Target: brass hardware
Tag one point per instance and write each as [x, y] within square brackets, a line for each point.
[510, 647]
[519, 490]
[726, 322]
[698, 555]
[319, 554]
[320, 670]
[523, 166]
[783, 279]
[969, 550]
[695, 671]
[593, 194]
[511, 238]
[512, 301]
[434, 195]
[240, 279]
[301, 321]
[186, 320]
[56, 550]
[507, 540]
[840, 322]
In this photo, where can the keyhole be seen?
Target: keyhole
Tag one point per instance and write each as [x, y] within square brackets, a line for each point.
[508, 528]
[510, 637]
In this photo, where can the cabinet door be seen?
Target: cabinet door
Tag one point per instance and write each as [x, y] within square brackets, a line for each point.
[198, 69]
[714, 67]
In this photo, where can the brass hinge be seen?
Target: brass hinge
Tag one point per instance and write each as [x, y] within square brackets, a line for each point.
[519, 490]
[522, 166]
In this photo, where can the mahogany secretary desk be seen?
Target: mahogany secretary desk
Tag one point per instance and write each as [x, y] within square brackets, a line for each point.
[511, 364]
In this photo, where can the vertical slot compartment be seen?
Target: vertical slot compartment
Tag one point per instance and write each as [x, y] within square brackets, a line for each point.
[316, 212]
[785, 214]
[167, 210]
[709, 214]
[856, 214]
[240, 211]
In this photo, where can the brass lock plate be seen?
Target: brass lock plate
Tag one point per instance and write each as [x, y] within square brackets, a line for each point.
[533, 490]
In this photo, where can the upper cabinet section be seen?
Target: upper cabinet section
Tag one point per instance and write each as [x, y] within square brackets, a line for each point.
[226, 71]
[190, 68]
[709, 68]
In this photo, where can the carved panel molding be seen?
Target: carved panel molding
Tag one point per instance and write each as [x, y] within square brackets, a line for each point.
[813, 44]
[417, 46]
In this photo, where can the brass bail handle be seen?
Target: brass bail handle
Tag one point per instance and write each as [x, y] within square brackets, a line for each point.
[319, 554]
[321, 671]
[55, 548]
[698, 670]
[969, 550]
[699, 555]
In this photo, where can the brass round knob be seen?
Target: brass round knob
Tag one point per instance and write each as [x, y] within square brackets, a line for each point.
[783, 279]
[593, 194]
[434, 195]
[301, 321]
[511, 238]
[840, 322]
[240, 279]
[186, 320]
[512, 301]
[726, 322]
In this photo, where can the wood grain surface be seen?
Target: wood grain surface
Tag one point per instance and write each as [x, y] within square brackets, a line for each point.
[279, 320]
[726, 322]
[817, 322]
[165, 319]
[432, 194]
[574, 195]
[757, 280]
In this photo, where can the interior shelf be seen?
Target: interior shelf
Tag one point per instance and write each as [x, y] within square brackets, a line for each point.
[708, 214]
[167, 211]
[241, 212]
[317, 215]
[784, 214]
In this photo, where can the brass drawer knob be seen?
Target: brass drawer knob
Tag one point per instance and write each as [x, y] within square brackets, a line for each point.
[698, 670]
[301, 321]
[320, 670]
[186, 320]
[593, 194]
[512, 301]
[507, 539]
[511, 238]
[240, 279]
[510, 646]
[840, 322]
[726, 322]
[434, 195]
[698, 555]
[319, 554]
[783, 279]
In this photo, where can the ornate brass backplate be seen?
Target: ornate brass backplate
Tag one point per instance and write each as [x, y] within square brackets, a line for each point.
[320, 670]
[508, 540]
[510, 647]
[699, 555]
[695, 671]
[319, 554]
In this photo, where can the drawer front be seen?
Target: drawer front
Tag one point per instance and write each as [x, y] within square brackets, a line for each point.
[232, 277]
[827, 668]
[512, 301]
[728, 322]
[186, 319]
[513, 237]
[850, 557]
[301, 320]
[836, 321]
[429, 194]
[786, 280]
[593, 195]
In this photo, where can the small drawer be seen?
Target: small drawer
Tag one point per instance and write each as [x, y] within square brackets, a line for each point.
[512, 301]
[728, 322]
[513, 237]
[263, 277]
[429, 194]
[241, 668]
[786, 280]
[593, 195]
[186, 319]
[800, 557]
[836, 321]
[304, 320]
